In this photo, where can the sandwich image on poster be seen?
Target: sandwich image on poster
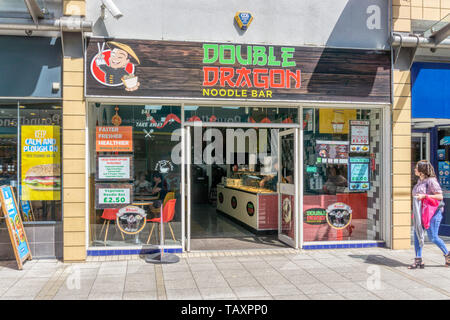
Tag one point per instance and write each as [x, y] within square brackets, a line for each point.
[44, 177]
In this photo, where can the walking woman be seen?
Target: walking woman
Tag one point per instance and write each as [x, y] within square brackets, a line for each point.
[426, 191]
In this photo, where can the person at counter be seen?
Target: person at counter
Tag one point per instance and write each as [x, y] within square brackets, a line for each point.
[335, 181]
[270, 181]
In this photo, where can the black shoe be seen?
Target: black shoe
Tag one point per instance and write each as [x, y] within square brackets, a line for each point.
[447, 259]
[417, 264]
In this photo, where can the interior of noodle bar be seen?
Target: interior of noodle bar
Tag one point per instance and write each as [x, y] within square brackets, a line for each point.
[243, 187]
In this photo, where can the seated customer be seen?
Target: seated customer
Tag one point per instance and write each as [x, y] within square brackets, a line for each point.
[141, 185]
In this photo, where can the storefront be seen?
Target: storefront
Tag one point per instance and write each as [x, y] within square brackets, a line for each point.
[275, 145]
[430, 98]
[30, 140]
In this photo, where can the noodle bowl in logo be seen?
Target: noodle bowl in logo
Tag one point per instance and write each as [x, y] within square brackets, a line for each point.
[339, 215]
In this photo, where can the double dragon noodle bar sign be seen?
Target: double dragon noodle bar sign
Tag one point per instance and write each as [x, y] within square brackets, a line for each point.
[172, 69]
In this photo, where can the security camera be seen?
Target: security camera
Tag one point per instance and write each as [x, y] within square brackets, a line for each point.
[112, 8]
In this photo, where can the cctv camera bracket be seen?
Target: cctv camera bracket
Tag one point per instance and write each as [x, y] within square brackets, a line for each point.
[103, 14]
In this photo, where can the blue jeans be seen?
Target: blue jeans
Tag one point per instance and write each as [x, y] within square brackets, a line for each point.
[432, 233]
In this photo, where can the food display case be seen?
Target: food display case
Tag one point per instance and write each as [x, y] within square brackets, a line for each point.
[242, 198]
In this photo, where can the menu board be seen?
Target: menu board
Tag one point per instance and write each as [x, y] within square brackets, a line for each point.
[114, 139]
[332, 152]
[113, 195]
[40, 162]
[444, 173]
[359, 136]
[358, 173]
[15, 226]
[114, 168]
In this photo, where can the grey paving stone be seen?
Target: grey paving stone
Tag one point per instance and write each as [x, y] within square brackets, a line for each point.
[177, 275]
[138, 286]
[235, 273]
[427, 294]
[21, 297]
[180, 284]
[137, 269]
[257, 298]
[360, 295]
[341, 287]
[140, 295]
[216, 292]
[241, 281]
[112, 270]
[105, 296]
[229, 266]
[278, 290]
[406, 284]
[183, 294]
[199, 267]
[326, 296]
[211, 283]
[291, 297]
[70, 297]
[393, 295]
[316, 288]
[250, 291]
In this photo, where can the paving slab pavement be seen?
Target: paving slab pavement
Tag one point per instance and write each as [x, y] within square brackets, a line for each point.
[354, 274]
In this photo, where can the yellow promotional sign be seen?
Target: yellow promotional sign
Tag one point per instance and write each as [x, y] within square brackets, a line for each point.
[41, 162]
[335, 121]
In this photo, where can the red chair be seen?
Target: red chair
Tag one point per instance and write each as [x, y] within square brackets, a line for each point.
[168, 214]
[109, 215]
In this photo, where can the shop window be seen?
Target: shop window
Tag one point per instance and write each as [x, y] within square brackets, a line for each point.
[30, 158]
[133, 170]
[342, 174]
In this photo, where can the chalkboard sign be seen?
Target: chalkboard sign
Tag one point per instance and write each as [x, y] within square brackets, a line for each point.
[15, 226]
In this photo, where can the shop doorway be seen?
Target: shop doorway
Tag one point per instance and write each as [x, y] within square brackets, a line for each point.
[237, 176]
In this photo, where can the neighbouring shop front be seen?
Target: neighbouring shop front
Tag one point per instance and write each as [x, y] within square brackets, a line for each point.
[430, 100]
[30, 140]
[275, 146]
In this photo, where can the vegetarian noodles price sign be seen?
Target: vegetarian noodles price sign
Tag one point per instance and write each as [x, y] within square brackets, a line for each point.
[41, 162]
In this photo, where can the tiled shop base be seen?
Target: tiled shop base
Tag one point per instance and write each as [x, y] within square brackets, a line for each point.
[114, 252]
[344, 246]
[127, 252]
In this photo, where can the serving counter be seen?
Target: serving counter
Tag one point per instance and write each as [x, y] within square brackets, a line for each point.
[255, 207]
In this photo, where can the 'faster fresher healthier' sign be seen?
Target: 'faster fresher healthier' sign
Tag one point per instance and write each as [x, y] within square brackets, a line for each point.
[114, 139]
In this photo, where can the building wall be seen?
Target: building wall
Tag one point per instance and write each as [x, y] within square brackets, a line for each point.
[331, 23]
[74, 149]
[401, 138]
[403, 12]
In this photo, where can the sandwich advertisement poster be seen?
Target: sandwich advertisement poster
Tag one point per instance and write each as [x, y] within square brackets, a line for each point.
[41, 162]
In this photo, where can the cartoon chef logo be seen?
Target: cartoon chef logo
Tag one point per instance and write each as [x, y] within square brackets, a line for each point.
[115, 66]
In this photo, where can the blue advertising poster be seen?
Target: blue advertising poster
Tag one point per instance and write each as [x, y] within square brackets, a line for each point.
[358, 173]
[444, 173]
[26, 210]
[15, 225]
